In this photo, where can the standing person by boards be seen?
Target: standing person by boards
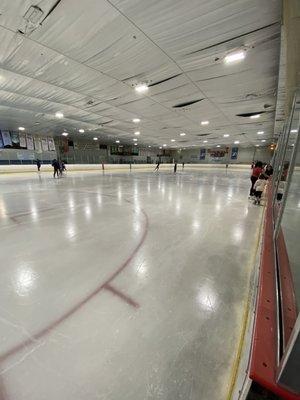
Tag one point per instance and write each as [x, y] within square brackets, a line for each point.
[175, 167]
[256, 171]
[182, 165]
[157, 166]
[38, 164]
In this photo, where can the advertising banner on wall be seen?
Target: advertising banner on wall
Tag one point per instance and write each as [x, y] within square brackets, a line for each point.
[37, 144]
[202, 154]
[45, 144]
[1, 142]
[6, 139]
[234, 153]
[15, 139]
[29, 140]
[51, 144]
[23, 144]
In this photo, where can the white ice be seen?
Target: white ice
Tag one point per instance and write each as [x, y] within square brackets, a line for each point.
[122, 286]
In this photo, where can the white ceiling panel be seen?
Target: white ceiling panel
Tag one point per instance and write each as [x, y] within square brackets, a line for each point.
[85, 57]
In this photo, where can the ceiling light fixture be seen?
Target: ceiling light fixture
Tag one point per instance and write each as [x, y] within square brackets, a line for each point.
[233, 57]
[117, 141]
[141, 88]
[257, 145]
[218, 145]
[226, 135]
[204, 141]
[236, 142]
[182, 134]
[65, 134]
[173, 140]
[137, 133]
[164, 145]
[204, 122]
[149, 146]
[260, 132]
[135, 144]
[21, 128]
[254, 116]
[135, 140]
[59, 114]
[136, 120]
[160, 147]
[95, 138]
[294, 131]
[81, 130]
[263, 140]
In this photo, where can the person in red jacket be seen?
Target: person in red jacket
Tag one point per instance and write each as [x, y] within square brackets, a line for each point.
[256, 171]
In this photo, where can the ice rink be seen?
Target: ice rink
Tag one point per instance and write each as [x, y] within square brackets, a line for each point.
[122, 286]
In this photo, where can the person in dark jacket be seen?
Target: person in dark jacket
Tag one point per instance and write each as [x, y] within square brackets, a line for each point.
[55, 165]
[38, 164]
[269, 170]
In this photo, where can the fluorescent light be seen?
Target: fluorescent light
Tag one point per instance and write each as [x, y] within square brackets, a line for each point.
[173, 140]
[204, 141]
[237, 56]
[226, 135]
[255, 116]
[236, 142]
[21, 128]
[160, 147]
[263, 140]
[218, 145]
[65, 133]
[257, 145]
[117, 141]
[141, 88]
[149, 146]
[294, 131]
[59, 114]
[182, 134]
[95, 138]
[135, 140]
[260, 132]
[136, 120]
[81, 130]
[204, 122]
[164, 145]
[135, 144]
[137, 133]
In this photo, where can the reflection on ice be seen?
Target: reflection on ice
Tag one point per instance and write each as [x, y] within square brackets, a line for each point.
[207, 298]
[24, 281]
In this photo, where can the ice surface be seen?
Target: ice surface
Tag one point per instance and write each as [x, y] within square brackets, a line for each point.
[123, 286]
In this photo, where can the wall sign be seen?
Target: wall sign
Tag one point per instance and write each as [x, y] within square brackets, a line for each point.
[234, 153]
[202, 154]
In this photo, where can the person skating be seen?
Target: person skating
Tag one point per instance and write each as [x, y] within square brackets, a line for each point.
[175, 167]
[259, 187]
[56, 168]
[38, 164]
[256, 171]
[157, 166]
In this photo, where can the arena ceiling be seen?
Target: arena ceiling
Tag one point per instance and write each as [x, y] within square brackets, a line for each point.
[85, 59]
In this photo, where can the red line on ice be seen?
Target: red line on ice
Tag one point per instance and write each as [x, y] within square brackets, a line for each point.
[105, 285]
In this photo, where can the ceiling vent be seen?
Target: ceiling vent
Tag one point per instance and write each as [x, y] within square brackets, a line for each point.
[247, 115]
[164, 80]
[32, 19]
[187, 103]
